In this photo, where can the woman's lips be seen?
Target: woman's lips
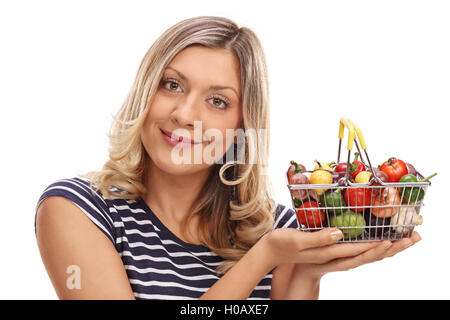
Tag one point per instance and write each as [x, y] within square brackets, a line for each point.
[167, 135]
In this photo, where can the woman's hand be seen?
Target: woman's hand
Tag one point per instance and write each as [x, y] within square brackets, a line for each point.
[309, 274]
[287, 245]
[382, 250]
[284, 248]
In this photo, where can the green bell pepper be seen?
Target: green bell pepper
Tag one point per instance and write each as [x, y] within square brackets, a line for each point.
[332, 199]
[413, 194]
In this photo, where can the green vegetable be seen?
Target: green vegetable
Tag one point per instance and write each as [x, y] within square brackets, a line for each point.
[297, 202]
[351, 224]
[331, 199]
[413, 194]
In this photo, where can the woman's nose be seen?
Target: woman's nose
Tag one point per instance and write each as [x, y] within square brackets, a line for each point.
[186, 111]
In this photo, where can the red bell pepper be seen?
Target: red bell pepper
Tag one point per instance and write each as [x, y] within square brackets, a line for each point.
[356, 166]
[310, 215]
[358, 199]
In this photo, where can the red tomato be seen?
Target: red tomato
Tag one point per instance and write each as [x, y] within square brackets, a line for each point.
[341, 167]
[395, 169]
[358, 198]
[310, 215]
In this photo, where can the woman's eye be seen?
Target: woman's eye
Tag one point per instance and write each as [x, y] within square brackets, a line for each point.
[171, 85]
[219, 103]
[175, 87]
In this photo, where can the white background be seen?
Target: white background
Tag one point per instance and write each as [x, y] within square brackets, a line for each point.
[66, 67]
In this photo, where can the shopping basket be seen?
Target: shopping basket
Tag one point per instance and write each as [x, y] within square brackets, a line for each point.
[372, 211]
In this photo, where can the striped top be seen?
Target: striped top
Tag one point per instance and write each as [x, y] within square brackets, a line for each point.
[159, 265]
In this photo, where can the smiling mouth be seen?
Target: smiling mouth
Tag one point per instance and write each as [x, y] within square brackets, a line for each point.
[174, 138]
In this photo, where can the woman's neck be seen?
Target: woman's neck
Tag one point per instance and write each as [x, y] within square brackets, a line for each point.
[172, 196]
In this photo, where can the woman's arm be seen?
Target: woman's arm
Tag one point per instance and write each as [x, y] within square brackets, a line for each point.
[281, 247]
[239, 282]
[73, 248]
[281, 277]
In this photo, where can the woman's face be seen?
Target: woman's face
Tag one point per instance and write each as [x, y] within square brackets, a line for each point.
[199, 99]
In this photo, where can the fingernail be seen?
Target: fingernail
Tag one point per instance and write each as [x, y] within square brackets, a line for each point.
[336, 235]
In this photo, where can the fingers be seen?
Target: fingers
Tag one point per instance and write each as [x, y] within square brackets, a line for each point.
[371, 255]
[415, 237]
[320, 247]
[325, 254]
[382, 250]
[320, 238]
[403, 244]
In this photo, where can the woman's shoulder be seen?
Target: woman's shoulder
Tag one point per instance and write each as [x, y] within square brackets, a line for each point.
[285, 217]
[77, 189]
[89, 200]
[80, 188]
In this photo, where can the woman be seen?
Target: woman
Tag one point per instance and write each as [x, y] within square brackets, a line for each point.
[173, 214]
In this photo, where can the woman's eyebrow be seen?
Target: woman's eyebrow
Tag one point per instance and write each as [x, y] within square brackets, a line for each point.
[182, 76]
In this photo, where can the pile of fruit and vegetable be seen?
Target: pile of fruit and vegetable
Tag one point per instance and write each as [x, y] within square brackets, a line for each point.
[348, 196]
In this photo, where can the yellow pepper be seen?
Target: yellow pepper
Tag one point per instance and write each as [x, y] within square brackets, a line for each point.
[363, 177]
[321, 177]
[323, 165]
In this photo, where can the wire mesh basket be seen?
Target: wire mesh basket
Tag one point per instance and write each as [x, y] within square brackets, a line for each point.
[371, 211]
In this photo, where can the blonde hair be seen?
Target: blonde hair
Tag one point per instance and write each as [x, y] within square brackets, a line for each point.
[241, 210]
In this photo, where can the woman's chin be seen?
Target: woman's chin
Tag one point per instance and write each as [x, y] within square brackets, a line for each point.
[179, 166]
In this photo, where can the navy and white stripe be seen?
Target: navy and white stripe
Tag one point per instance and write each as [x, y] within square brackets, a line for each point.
[159, 265]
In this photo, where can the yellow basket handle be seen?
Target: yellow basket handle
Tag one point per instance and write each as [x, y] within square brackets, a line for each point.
[360, 135]
[351, 132]
[352, 128]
